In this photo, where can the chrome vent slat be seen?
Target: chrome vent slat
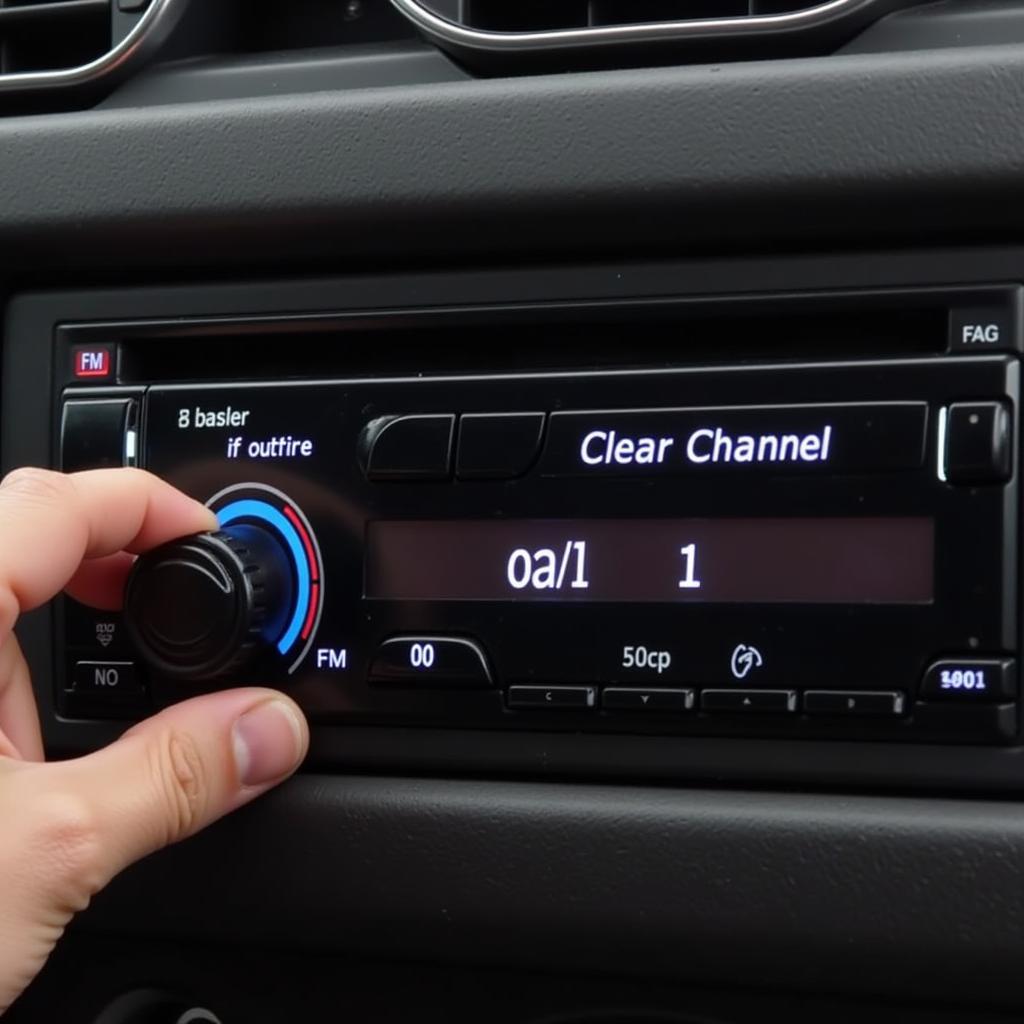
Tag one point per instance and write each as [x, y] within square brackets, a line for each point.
[468, 26]
[36, 33]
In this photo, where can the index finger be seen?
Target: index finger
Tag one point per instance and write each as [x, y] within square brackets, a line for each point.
[50, 522]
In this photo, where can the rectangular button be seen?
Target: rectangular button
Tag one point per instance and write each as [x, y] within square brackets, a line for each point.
[92, 434]
[970, 680]
[748, 701]
[423, 662]
[93, 362]
[106, 680]
[408, 447]
[553, 697]
[630, 699]
[854, 702]
[498, 446]
[826, 439]
[979, 443]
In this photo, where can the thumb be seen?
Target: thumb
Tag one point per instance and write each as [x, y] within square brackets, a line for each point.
[70, 827]
[177, 772]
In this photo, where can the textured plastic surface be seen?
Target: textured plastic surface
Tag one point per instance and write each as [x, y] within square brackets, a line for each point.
[270, 986]
[367, 67]
[924, 145]
[755, 889]
[954, 23]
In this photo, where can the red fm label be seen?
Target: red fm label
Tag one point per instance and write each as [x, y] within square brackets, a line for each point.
[93, 362]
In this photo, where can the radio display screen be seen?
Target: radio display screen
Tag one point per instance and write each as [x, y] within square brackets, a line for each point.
[728, 561]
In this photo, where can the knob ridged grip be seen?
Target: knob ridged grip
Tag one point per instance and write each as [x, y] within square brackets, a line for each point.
[196, 608]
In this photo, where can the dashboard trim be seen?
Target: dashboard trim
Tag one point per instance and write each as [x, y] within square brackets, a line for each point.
[145, 38]
[452, 35]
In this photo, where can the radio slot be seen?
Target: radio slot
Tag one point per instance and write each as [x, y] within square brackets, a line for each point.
[652, 333]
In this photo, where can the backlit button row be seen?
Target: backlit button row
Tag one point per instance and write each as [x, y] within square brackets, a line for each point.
[842, 703]
[489, 446]
[564, 698]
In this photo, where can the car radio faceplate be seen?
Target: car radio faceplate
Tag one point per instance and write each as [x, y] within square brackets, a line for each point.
[607, 537]
[799, 550]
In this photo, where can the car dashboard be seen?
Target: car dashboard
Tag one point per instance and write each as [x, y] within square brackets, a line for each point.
[611, 412]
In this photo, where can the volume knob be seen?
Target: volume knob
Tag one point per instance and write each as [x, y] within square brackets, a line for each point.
[203, 606]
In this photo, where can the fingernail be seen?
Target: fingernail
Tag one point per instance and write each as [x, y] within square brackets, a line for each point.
[269, 743]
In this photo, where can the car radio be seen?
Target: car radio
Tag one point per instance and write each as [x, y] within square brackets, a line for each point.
[797, 548]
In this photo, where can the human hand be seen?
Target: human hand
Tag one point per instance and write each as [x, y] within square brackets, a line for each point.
[69, 827]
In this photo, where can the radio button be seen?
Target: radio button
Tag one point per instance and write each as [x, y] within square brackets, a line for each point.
[561, 698]
[972, 680]
[104, 689]
[92, 362]
[107, 680]
[854, 702]
[979, 443]
[408, 447]
[630, 699]
[748, 701]
[498, 446]
[430, 661]
[92, 433]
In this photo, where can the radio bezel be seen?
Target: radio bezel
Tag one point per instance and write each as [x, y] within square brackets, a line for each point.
[437, 746]
[969, 616]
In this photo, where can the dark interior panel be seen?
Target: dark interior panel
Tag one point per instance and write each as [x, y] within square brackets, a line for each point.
[88, 975]
[814, 153]
[749, 889]
[711, 887]
[320, 192]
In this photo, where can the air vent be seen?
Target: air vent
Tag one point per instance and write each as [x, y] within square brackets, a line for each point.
[267, 26]
[65, 44]
[545, 15]
[735, 27]
[36, 35]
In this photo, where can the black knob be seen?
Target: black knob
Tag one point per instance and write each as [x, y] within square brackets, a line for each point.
[202, 606]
